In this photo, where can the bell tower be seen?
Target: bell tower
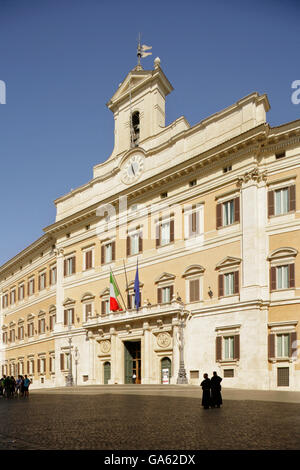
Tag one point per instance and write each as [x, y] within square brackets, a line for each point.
[139, 107]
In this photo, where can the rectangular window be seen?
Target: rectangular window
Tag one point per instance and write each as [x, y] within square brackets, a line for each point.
[108, 253]
[21, 292]
[4, 337]
[105, 307]
[5, 301]
[228, 213]
[134, 244]
[52, 322]
[281, 201]
[194, 290]
[69, 317]
[42, 281]
[283, 377]
[21, 332]
[69, 266]
[30, 329]
[53, 276]
[228, 373]
[13, 297]
[282, 275]
[31, 286]
[42, 325]
[88, 311]
[52, 364]
[165, 233]
[229, 347]
[88, 257]
[283, 345]
[229, 284]
[166, 294]
[12, 336]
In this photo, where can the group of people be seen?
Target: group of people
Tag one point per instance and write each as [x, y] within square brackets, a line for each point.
[14, 388]
[211, 391]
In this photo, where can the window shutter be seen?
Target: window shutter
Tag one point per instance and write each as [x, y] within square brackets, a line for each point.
[73, 316]
[129, 301]
[103, 309]
[171, 292]
[218, 348]
[128, 245]
[273, 278]
[50, 364]
[28, 367]
[159, 295]
[39, 326]
[28, 330]
[237, 209]
[292, 198]
[62, 361]
[172, 230]
[87, 260]
[65, 267]
[236, 347]
[74, 265]
[192, 291]
[293, 345]
[157, 235]
[39, 282]
[113, 251]
[102, 254]
[219, 215]
[140, 242]
[271, 207]
[38, 365]
[65, 317]
[33, 367]
[221, 285]
[236, 282]
[271, 346]
[291, 275]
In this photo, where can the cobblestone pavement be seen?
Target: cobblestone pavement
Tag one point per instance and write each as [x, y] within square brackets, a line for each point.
[148, 417]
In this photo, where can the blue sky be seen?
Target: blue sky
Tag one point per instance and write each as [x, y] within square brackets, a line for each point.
[62, 60]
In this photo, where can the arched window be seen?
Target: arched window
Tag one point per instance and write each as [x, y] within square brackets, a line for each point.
[135, 129]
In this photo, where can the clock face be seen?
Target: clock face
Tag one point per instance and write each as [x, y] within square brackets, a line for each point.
[132, 169]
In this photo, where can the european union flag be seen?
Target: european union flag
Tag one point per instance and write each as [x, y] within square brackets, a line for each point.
[137, 288]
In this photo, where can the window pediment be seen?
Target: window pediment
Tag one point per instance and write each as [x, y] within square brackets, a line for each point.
[68, 301]
[30, 316]
[87, 296]
[228, 262]
[41, 313]
[131, 285]
[104, 292]
[284, 252]
[193, 270]
[165, 277]
[52, 308]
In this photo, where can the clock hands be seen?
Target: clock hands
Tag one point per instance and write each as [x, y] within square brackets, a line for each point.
[132, 169]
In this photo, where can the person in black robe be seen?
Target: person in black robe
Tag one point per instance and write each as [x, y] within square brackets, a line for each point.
[205, 384]
[216, 397]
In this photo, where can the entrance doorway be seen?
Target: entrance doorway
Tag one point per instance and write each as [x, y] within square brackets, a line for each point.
[166, 370]
[132, 364]
[106, 371]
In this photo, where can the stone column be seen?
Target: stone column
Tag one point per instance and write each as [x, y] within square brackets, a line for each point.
[113, 355]
[59, 290]
[147, 353]
[254, 282]
[92, 355]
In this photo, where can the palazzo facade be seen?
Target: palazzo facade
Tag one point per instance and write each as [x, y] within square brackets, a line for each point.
[212, 214]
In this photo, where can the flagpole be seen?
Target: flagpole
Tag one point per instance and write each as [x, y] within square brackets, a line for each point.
[126, 282]
[118, 289]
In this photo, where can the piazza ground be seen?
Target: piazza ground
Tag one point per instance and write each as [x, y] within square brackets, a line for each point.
[149, 417]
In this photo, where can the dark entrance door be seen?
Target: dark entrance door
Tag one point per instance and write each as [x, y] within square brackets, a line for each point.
[106, 370]
[132, 362]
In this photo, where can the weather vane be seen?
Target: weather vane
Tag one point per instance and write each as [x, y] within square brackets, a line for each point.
[141, 51]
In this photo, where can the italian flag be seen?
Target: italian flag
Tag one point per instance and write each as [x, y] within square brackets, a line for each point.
[113, 294]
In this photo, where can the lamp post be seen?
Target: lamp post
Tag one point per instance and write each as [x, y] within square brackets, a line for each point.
[76, 357]
[69, 380]
[181, 379]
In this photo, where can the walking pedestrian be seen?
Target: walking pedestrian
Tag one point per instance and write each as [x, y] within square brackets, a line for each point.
[18, 386]
[7, 387]
[12, 386]
[205, 384]
[2, 386]
[26, 386]
[216, 397]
